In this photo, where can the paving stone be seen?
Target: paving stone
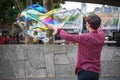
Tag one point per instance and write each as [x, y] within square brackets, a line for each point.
[61, 59]
[36, 56]
[115, 68]
[54, 48]
[116, 56]
[50, 68]
[71, 53]
[6, 69]
[37, 62]
[3, 52]
[21, 51]
[31, 72]
[19, 68]
[10, 52]
[107, 53]
[105, 68]
[64, 70]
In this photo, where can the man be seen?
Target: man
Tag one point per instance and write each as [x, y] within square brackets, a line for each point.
[89, 50]
[3, 39]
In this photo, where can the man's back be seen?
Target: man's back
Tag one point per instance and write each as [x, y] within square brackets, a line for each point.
[89, 51]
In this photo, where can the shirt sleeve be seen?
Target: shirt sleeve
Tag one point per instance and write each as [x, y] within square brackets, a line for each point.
[70, 37]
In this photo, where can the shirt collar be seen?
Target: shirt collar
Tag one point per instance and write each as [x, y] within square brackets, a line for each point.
[94, 31]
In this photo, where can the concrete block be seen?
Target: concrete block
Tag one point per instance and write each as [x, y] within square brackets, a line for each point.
[107, 53]
[71, 58]
[116, 55]
[71, 53]
[1, 55]
[14, 52]
[21, 52]
[64, 70]
[31, 72]
[54, 48]
[50, 68]
[105, 68]
[36, 56]
[115, 68]
[39, 73]
[61, 59]
[38, 61]
[19, 68]
[6, 70]
[60, 49]
[71, 49]
[10, 52]
[110, 69]
[3, 52]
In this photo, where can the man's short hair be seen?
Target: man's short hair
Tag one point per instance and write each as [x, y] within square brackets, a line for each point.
[94, 21]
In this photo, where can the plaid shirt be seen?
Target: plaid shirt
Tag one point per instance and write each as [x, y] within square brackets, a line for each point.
[89, 49]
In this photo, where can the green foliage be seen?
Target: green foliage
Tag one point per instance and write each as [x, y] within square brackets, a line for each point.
[90, 13]
[8, 11]
[59, 1]
[72, 18]
[115, 21]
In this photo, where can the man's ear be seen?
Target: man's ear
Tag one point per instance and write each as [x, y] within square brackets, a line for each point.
[89, 26]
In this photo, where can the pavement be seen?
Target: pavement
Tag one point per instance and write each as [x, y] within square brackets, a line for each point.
[64, 78]
[110, 78]
[74, 78]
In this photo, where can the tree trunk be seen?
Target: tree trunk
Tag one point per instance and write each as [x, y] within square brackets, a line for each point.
[48, 4]
[28, 2]
[28, 39]
[19, 4]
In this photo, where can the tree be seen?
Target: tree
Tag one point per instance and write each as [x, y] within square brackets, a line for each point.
[8, 14]
[22, 4]
[11, 8]
[8, 11]
[91, 13]
[115, 22]
[48, 4]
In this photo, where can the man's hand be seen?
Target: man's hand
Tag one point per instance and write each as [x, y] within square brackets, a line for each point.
[50, 26]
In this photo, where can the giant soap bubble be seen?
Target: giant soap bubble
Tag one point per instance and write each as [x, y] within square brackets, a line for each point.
[34, 19]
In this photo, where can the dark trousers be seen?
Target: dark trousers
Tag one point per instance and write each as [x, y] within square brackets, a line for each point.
[87, 75]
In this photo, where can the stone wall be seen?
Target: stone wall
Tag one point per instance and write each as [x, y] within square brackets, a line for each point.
[38, 61]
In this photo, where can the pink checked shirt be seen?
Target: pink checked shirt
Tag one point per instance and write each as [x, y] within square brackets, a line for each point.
[89, 49]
